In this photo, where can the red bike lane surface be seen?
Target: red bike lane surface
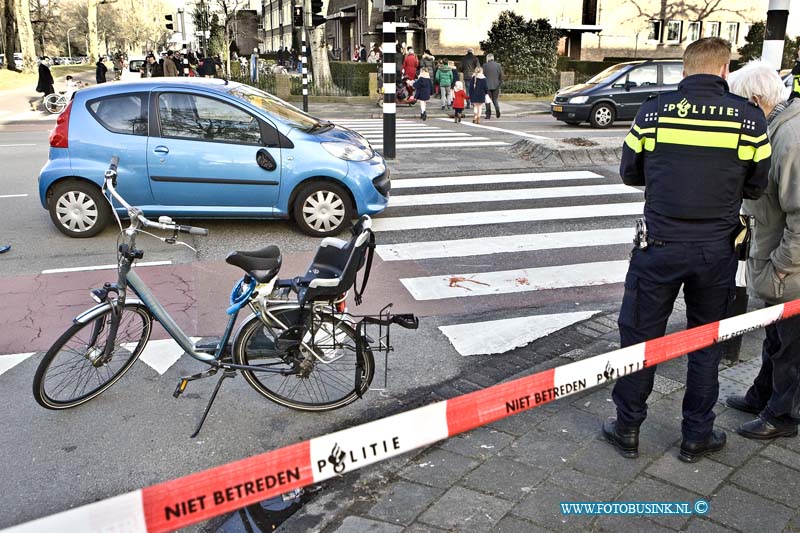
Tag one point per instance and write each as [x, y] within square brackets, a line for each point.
[37, 309]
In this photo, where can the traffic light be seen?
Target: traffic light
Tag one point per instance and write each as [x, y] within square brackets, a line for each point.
[317, 17]
[297, 16]
[169, 22]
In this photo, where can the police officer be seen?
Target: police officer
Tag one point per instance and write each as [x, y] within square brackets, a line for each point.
[697, 151]
[795, 78]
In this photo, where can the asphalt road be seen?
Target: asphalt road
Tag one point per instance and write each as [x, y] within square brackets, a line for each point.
[136, 434]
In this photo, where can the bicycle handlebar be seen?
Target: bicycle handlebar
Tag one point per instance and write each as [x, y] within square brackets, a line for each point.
[111, 175]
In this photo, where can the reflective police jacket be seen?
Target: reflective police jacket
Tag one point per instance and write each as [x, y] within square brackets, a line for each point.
[698, 151]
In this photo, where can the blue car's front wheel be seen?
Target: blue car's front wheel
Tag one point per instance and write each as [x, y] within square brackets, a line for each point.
[322, 208]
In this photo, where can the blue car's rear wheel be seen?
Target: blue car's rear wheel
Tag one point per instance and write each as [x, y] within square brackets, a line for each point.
[78, 209]
[322, 208]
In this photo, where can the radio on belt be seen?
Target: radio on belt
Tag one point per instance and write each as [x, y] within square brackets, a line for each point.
[640, 240]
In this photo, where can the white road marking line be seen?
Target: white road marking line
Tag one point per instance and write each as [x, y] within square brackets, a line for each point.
[506, 195]
[583, 130]
[160, 355]
[506, 216]
[500, 336]
[415, 135]
[513, 281]
[103, 267]
[407, 138]
[502, 130]
[447, 145]
[7, 362]
[482, 179]
[15, 145]
[412, 251]
[13, 195]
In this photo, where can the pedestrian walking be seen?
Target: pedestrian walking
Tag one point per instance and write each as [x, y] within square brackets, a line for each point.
[711, 150]
[170, 68]
[795, 78]
[423, 90]
[253, 66]
[468, 66]
[177, 58]
[494, 79]
[774, 262]
[459, 101]
[478, 93]
[45, 81]
[444, 77]
[100, 70]
[410, 65]
[428, 61]
[150, 68]
[362, 54]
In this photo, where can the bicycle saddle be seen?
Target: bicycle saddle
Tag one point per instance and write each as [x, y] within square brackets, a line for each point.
[262, 265]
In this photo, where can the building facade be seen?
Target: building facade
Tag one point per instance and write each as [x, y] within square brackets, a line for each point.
[277, 24]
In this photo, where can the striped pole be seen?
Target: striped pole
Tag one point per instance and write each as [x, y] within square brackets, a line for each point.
[304, 66]
[389, 87]
[775, 32]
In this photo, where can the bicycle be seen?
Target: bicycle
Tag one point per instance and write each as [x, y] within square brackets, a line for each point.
[56, 102]
[299, 348]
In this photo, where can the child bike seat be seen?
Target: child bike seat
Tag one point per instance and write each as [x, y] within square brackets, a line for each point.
[262, 265]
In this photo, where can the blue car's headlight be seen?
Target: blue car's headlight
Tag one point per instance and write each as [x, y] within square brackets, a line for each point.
[347, 151]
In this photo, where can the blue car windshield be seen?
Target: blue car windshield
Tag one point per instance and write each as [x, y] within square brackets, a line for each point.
[276, 107]
[607, 73]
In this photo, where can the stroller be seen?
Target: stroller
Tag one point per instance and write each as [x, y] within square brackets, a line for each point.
[404, 94]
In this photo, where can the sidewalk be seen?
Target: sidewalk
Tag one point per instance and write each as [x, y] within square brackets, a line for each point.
[511, 476]
[361, 109]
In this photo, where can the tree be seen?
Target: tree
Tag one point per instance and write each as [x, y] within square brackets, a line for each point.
[754, 44]
[22, 13]
[526, 48]
[10, 33]
[320, 66]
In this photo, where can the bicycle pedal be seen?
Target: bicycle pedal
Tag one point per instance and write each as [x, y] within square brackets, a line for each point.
[180, 388]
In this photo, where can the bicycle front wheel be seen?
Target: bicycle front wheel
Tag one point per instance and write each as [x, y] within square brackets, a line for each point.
[54, 103]
[74, 370]
[335, 374]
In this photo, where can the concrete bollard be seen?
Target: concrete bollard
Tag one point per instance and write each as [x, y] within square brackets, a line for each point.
[373, 83]
[283, 87]
[566, 79]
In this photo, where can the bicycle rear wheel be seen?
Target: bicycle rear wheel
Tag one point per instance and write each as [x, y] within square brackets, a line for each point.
[73, 372]
[55, 103]
[333, 377]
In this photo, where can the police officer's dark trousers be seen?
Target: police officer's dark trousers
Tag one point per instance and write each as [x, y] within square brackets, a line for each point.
[776, 389]
[706, 270]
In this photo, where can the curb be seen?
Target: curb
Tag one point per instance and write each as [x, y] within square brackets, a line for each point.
[552, 153]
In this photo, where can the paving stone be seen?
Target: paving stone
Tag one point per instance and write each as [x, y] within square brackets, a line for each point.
[653, 490]
[541, 449]
[599, 403]
[356, 524]
[479, 443]
[438, 468]
[701, 477]
[665, 385]
[596, 487]
[702, 525]
[744, 373]
[610, 321]
[542, 507]
[738, 450]
[601, 458]
[666, 411]
[731, 419]
[793, 525]
[781, 455]
[404, 502]
[629, 524]
[504, 478]
[514, 524]
[674, 369]
[575, 355]
[522, 422]
[422, 528]
[462, 509]
[738, 509]
[573, 424]
[770, 479]
[789, 444]
[729, 387]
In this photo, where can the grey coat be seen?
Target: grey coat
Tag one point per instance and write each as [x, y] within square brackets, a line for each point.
[494, 74]
[776, 235]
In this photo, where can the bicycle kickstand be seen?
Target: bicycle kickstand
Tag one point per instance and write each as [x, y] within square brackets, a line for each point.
[225, 374]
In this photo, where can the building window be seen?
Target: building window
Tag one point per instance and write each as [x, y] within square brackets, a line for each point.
[713, 29]
[732, 32]
[654, 30]
[674, 31]
[693, 31]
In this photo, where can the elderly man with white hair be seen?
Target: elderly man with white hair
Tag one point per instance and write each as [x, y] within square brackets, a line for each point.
[774, 262]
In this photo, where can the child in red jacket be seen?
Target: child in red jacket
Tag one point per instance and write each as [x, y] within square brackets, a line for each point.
[459, 99]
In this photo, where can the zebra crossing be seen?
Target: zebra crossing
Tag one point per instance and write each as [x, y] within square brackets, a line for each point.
[415, 134]
[432, 222]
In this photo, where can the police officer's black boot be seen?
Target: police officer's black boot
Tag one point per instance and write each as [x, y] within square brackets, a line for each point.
[624, 439]
[692, 451]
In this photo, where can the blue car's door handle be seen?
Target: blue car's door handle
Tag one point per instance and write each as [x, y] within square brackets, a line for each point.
[160, 149]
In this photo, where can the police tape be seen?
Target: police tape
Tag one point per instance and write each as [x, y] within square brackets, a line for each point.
[209, 493]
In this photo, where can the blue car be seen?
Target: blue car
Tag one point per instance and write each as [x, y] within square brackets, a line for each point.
[204, 148]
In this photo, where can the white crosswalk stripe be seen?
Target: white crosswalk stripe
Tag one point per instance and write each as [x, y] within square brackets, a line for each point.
[415, 135]
[459, 202]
